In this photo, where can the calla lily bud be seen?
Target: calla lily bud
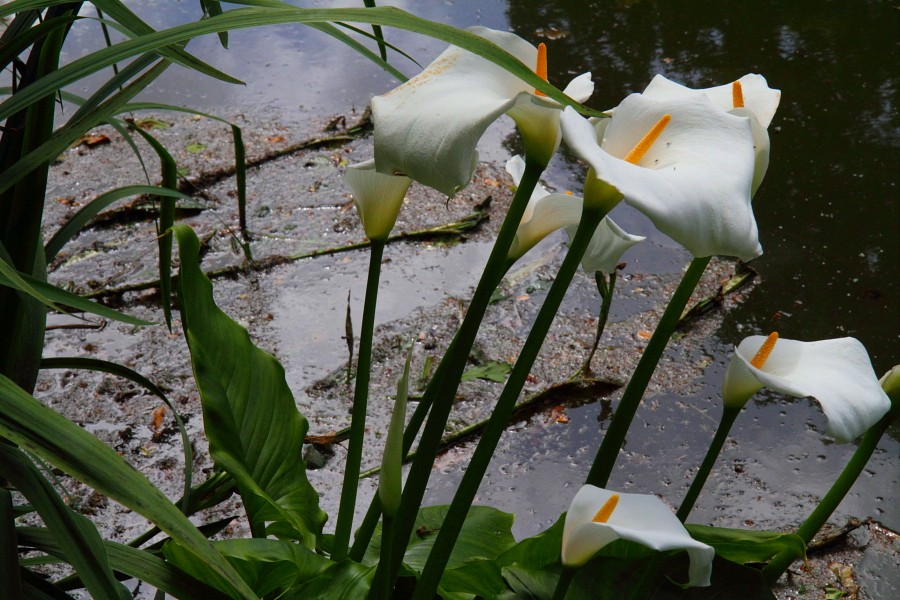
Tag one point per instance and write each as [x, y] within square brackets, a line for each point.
[390, 485]
[598, 517]
[890, 383]
[837, 373]
[378, 198]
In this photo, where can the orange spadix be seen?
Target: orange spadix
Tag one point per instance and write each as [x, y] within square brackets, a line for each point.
[606, 510]
[641, 148]
[762, 355]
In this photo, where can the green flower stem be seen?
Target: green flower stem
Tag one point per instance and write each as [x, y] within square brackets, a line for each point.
[382, 586]
[606, 295]
[442, 387]
[814, 522]
[728, 417]
[631, 398]
[565, 580]
[360, 399]
[370, 521]
[468, 487]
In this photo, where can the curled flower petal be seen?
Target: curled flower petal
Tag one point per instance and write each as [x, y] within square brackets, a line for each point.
[606, 247]
[837, 373]
[694, 182]
[639, 518]
[428, 127]
[377, 197]
[548, 212]
[759, 98]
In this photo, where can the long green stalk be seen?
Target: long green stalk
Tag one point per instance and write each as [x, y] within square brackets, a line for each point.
[442, 388]
[839, 489]
[615, 436]
[712, 454]
[468, 487]
[360, 400]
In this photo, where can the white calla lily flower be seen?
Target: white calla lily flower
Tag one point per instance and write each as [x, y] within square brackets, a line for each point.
[378, 198]
[428, 127]
[693, 178]
[749, 96]
[598, 517]
[837, 373]
[758, 98]
[548, 212]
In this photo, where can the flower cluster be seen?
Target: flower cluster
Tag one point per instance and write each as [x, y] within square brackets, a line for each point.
[691, 160]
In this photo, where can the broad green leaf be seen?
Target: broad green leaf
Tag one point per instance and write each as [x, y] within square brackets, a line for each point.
[486, 534]
[76, 535]
[343, 581]
[139, 564]
[90, 210]
[52, 437]
[266, 565]
[491, 371]
[254, 428]
[477, 578]
[744, 546]
[51, 295]
[255, 17]
[105, 366]
[537, 551]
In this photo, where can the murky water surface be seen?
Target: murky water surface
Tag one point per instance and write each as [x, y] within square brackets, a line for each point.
[828, 215]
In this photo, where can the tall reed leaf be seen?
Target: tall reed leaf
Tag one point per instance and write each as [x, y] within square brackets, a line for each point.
[62, 443]
[254, 428]
[254, 17]
[77, 537]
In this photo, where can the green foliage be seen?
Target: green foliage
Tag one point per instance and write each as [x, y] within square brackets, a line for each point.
[254, 428]
[491, 371]
[62, 443]
[743, 546]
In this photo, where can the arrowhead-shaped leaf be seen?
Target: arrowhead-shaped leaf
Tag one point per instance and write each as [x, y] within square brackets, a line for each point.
[254, 428]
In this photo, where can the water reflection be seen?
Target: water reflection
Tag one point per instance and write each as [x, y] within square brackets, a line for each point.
[828, 211]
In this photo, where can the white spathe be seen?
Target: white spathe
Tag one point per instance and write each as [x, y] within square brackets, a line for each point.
[694, 182]
[427, 128]
[760, 102]
[837, 373]
[640, 518]
[548, 212]
[377, 197]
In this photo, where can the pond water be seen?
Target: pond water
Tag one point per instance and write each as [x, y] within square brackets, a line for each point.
[828, 211]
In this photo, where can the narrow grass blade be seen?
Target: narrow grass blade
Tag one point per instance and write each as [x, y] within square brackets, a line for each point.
[105, 366]
[129, 561]
[169, 176]
[52, 437]
[79, 220]
[75, 534]
[52, 296]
